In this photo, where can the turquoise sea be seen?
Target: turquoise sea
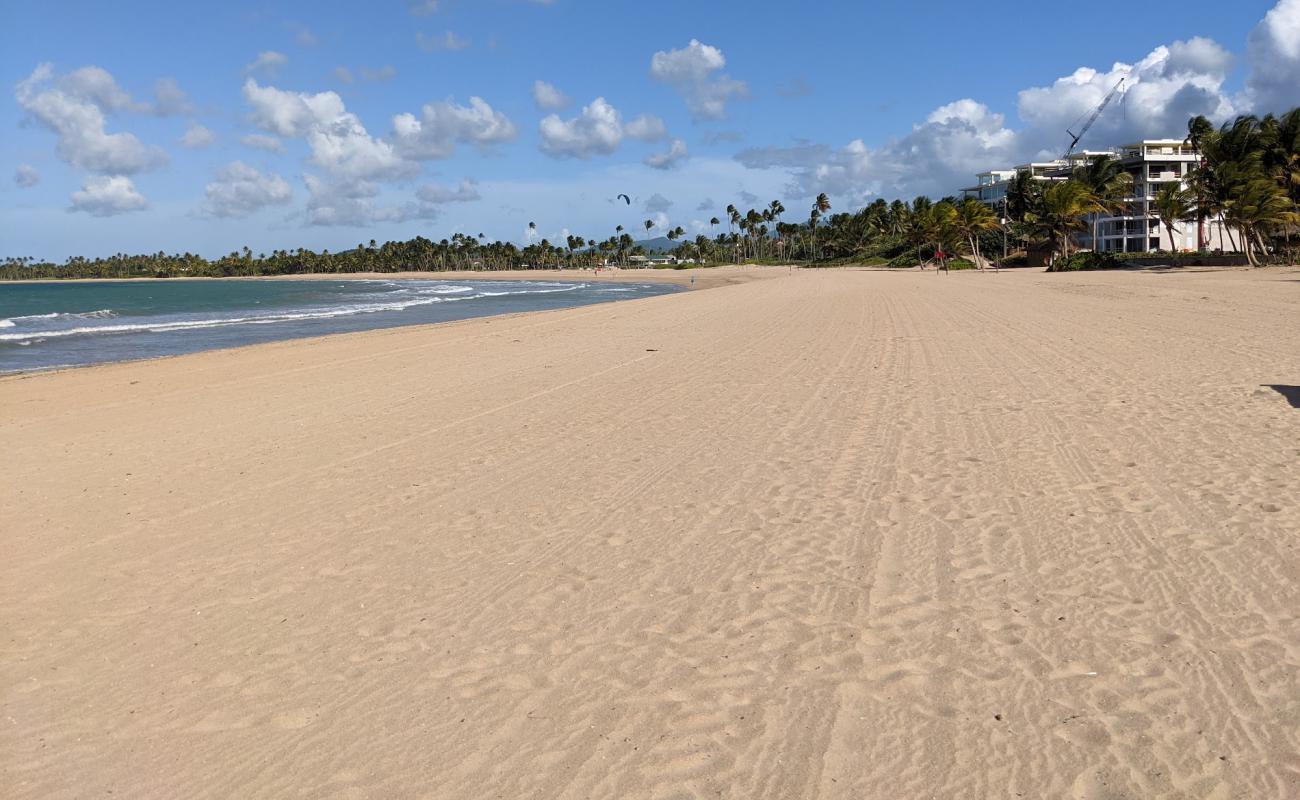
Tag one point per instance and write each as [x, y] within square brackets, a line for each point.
[55, 325]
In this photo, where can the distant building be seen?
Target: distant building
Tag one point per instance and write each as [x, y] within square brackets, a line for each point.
[1137, 228]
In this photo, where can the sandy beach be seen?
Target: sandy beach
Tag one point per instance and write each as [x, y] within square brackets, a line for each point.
[799, 534]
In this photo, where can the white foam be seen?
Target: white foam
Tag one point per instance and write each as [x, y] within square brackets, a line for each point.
[410, 296]
[103, 313]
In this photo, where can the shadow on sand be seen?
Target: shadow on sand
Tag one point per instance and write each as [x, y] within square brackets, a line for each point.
[1291, 393]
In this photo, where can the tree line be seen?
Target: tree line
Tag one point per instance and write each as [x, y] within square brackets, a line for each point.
[1248, 176]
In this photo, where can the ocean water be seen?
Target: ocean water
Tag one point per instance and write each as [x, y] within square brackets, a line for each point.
[55, 325]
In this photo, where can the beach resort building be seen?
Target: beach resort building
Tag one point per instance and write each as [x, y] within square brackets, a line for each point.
[1137, 227]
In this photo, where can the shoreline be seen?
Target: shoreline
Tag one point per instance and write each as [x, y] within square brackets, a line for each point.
[707, 277]
[732, 276]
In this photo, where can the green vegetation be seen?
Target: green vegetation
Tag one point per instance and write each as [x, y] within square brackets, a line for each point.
[1249, 175]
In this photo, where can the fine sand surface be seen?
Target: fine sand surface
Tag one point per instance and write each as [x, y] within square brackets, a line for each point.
[833, 534]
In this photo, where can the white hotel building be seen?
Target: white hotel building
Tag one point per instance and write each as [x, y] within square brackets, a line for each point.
[1152, 163]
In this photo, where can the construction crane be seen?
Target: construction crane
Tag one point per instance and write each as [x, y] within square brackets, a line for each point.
[1075, 137]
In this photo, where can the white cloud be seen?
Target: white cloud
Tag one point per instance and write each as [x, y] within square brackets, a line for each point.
[549, 98]
[338, 203]
[306, 38]
[423, 8]
[433, 194]
[346, 150]
[268, 62]
[96, 86]
[260, 141]
[1273, 51]
[675, 154]
[343, 74]
[942, 153]
[693, 63]
[598, 129]
[646, 128]
[198, 137]
[107, 195]
[292, 114]
[73, 110]
[1161, 92]
[447, 41]
[26, 176]
[169, 99]
[350, 204]
[694, 71]
[240, 190]
[339, 142]
[442, 125]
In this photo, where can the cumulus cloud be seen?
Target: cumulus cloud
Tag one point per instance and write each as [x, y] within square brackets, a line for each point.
[353, 162]
[447, 41]
[339, 202]
[669, 158]
[107, 196]
[657, 203]
[433, 194]
[26, 176]
[268, 62]
[240, 190]
[646, 128]
[260, 141]
[170, 99]
[339, 142]
[440, 126]
[1161, 92]
[597, 130]
[1273, 51]
[350, 203]
[74, 108]
[198, 137]
[942, 153]
[695, 72]
[96, 85]
[549, 98]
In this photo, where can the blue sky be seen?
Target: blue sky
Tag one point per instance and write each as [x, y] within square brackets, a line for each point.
[294, 124]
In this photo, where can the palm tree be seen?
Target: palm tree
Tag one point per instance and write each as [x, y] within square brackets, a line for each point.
[972, 218]
[1257, 208]
[1060, 211]
[1198, 130]
[1109, 183]
[1173, 204]
[821, 205]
